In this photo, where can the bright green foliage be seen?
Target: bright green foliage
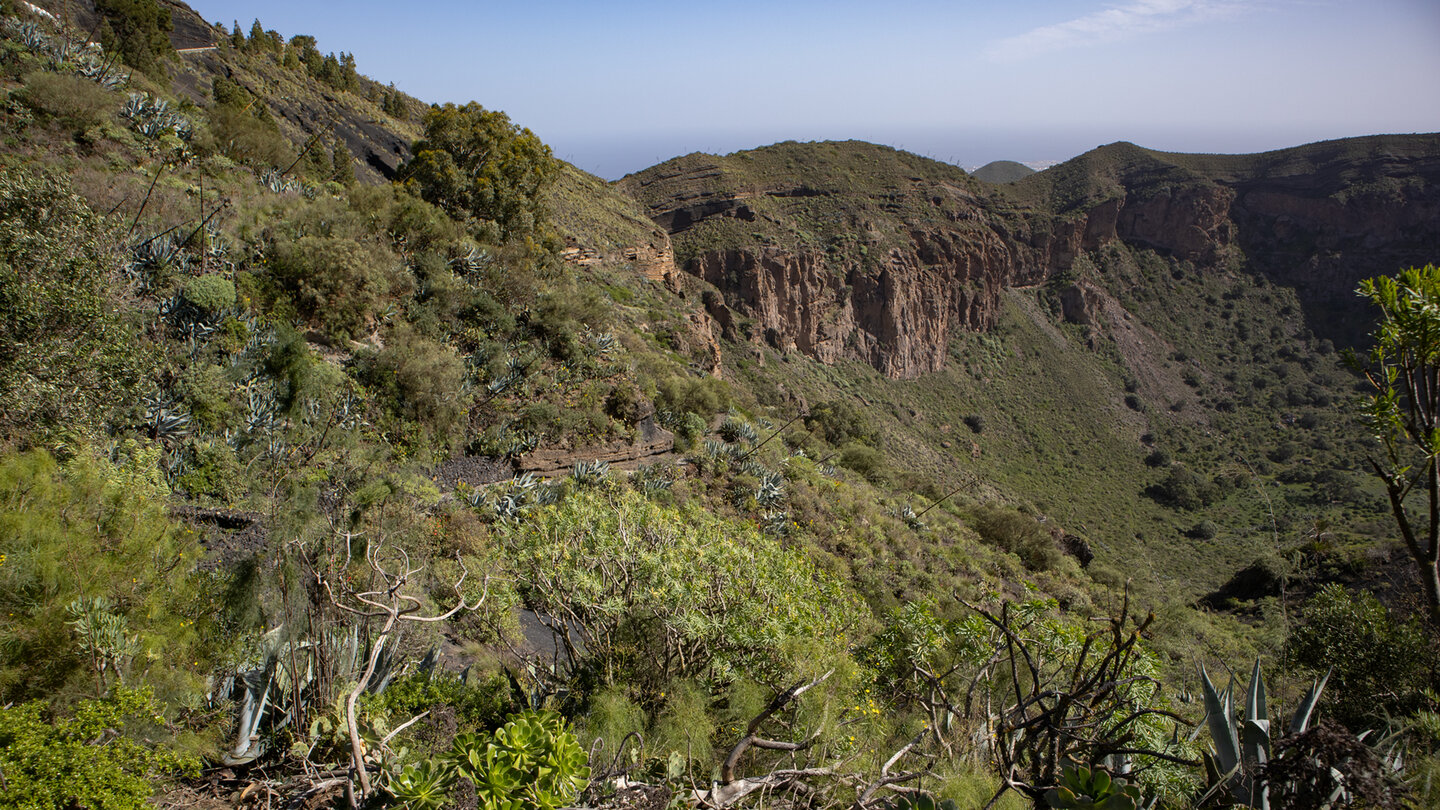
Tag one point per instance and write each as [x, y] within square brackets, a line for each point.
[475, 164]
[532, 763]
[1377, 664]
[139, 30]
[85, 759]
[211, 293]
[65, 356]
[1404, 411]
[479, 706]
[1084, 789]
[95, 583]
[421, 786]
[654, 592]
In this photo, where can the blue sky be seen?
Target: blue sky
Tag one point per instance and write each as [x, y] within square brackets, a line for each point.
[617, 86]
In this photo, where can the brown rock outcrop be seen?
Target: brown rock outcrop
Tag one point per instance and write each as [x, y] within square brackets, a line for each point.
[1319, 218]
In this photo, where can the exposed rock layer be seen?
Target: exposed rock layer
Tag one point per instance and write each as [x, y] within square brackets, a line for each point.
[1319, 218]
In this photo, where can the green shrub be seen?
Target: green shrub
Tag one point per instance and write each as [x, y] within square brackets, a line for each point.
[1018, 534]
[213, 471]
[705, 596]
[863, 459]
[66, 357]
[1377, 663]
[75, 102]
[838, 422]
[211, 293]
[91, 530]
[1183, 489]
[85, 758]
[418, 380]
[241, 136]
[479, 705]
[338, 283]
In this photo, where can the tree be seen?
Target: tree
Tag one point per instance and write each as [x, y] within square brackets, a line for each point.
[1403, 412]
[138, 29]
[476, 164]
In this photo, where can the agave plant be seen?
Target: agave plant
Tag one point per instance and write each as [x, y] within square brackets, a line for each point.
[907, 514]
[771, 491]
[651, 479]
[164, 420]
[588, 473]
[738, 430]
[477, 258]
[1241, 746]
[152, 117]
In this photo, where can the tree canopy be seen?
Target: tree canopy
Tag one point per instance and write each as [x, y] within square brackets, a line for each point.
[477, 165]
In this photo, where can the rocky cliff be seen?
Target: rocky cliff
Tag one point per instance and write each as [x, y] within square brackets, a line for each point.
[856, 251]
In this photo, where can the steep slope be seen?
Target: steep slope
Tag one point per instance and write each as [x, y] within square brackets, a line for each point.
[853, 250]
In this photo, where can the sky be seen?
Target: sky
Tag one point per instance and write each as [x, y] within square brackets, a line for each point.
[619, 85]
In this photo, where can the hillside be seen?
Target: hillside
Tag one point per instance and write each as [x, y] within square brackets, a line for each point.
[356, 452]
[1002, 171]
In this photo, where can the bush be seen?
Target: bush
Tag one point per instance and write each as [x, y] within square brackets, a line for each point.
[210, 293]
[245, 138]
[1018, 534]
[338, 283]
[1183, 489]
[85, 759]
[97, 531]
[706, 596]
[975, 422]
[66, 358]
[418, 380]
[1378, 664]
[477, 707]
[838, 422]
[863, 459]
[74, 101]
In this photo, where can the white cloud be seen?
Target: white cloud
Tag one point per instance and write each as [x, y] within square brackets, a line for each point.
[1110, 24]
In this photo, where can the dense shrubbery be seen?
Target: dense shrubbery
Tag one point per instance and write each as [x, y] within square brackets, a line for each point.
[66, 355]
[93, 756]
[1378, 665]
[477, 165]
[1018, 534]
[338, 283]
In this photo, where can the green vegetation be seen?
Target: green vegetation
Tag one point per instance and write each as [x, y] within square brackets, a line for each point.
[475, 164]
[1404, 413]
[139, 30]
[452, 491]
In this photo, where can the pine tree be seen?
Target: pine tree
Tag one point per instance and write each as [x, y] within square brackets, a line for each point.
[342, 164]
[237, 38]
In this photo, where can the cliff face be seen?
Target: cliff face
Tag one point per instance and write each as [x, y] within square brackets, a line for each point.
[883, 268]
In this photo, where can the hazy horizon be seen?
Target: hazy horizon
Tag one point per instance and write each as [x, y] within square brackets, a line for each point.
[618, 87]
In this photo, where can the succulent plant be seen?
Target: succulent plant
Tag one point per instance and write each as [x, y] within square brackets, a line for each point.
[1084, 789]
[590, 472]
[1241, 746]
[771, 491]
